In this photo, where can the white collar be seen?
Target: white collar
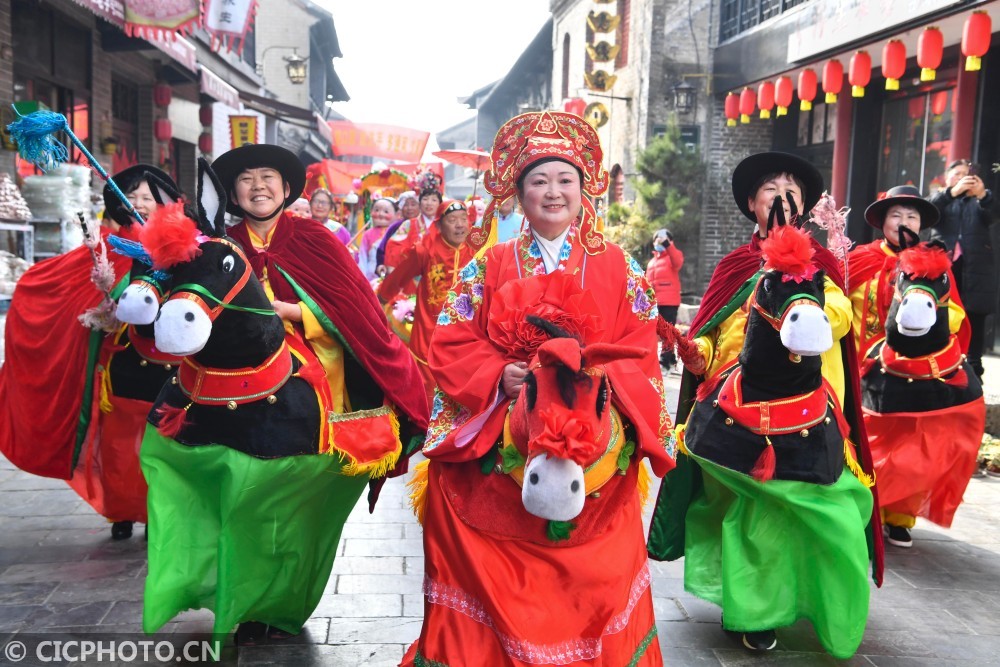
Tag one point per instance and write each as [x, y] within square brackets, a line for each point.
[551, 249]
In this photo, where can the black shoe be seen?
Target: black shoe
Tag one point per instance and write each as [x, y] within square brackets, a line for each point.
[121, 530]
[898, 536]
[250, 633]
[278, 633]
[760, 641]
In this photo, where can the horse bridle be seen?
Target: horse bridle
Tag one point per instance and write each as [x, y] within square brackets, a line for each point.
[198, 294]
[925, 289]
[777, 321]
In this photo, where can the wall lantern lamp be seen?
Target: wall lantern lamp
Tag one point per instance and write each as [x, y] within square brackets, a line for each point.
[684, 96]
[295, 65]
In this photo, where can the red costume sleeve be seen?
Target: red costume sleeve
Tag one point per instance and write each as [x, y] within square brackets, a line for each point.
[45, 376]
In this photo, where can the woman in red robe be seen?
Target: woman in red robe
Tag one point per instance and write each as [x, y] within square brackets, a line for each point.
[498, 590]
[436, 260]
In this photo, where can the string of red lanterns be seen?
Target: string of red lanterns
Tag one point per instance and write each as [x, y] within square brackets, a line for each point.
[976, 37]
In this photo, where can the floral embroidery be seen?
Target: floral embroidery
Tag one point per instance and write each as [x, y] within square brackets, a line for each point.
[465, 297]
[665, 432]
[446, 416]
[638, 291]
[531, 254]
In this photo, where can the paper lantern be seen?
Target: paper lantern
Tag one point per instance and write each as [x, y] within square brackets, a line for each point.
[915, 108]
[939, 103]
[807, 89]
[732, 109]
[205, 142]
[162, 94]
[765, 98]
[976, 40]
[205, 115]
[748, 102]
[893, 63]
[575, 106]
[860, 73]
[783, 91]
[162, 130]
[930, 48]
[833, 79]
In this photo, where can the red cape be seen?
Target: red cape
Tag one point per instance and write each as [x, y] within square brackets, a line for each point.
[325, 270]
[47, 371]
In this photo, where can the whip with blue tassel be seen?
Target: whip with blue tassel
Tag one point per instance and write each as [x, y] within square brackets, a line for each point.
[36, 143]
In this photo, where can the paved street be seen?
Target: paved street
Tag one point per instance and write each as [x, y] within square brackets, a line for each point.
[60, 571]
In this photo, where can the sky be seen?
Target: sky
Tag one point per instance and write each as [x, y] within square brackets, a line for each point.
[407, 62]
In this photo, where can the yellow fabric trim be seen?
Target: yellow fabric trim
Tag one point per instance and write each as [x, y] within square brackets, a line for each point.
[679, 436]
[852, 464]
[897, 519]
[330, 353]
[105, 403]
[643, 483]
[418, 489]
[378, 467]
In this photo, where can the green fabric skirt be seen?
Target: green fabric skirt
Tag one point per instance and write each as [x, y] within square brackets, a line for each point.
[770, 553]
[251, 539]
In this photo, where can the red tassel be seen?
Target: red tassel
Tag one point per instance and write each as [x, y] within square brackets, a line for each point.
[171, 420]
[763, 470]
[960, 379]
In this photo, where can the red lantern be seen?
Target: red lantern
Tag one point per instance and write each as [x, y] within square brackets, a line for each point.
[939, 103]
[162, 94]
[976, 40]
[205, 115]
[783, 94]
[575, 106]
[930, 48]
[162, 130]
[205, 143]
[732, 109]
[748, 101]
[893, 63]
[807, 89]
[833, 80]
[860, 73]
[915, 108]
[765, 98]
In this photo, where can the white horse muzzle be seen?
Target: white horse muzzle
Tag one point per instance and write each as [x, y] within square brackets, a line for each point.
[806, 330]
[553, 488]
[916, 315]
[138, 304]
[181, 328]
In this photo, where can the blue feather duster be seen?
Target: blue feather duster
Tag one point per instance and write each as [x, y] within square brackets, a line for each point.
[35, 138]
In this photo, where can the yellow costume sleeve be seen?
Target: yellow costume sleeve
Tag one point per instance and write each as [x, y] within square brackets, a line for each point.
[955, 316]
[839, 311]
[330, 354]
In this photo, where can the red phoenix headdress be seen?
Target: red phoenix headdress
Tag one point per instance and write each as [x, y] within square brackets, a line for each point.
[530, 137]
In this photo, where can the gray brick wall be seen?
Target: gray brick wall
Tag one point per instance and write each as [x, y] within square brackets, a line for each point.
[6, 81]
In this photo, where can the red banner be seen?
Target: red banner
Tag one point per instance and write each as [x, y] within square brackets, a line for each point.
[338, 177]
[151, 19]
[384, 141]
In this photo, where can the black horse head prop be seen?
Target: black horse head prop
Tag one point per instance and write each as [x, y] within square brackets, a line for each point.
[917, 321]
[211, 276]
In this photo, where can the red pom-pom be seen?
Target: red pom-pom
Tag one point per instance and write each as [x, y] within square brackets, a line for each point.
[924, 261]
[788, 250]
[169, 236]
[171, 420]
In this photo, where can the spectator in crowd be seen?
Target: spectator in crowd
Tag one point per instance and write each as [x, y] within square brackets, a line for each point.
[663, 273]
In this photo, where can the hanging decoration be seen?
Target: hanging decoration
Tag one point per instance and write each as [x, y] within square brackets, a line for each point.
[930, 49]
[603, 52]
[603, 21]
[242, 130]
[807, 89]
[748, 101]
[783, 91]
[205, 114]
[575, 106]
[229, 21]
[765, 99]
[833, 80]
[205, 143]
[161, 20]
[893, 63]
[939, 103]
[732, 109]
[600, 80]
[859, 73]
[162, 94]
[976, 39]
[163, 130]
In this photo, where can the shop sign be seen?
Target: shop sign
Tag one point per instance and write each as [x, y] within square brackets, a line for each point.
[373, 140]
[823, 25]
[180, 50]
[213, 86]
[243, 130]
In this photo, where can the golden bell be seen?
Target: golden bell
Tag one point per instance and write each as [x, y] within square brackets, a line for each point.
[595, 494]
[729, 421]
[804, 433]
[498, 469]
[231, 405]
[715, 404]
[173, 380]
[272, 399]
[827, 421]
[168, 367]
[143, 363]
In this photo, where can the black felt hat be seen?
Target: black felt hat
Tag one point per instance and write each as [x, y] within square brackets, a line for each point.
[902, 195]
[753, 168]
[125, 180]
[231, 164]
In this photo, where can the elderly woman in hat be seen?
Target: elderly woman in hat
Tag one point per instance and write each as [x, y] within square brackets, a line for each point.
[767, 187]
[871, 286]
[477, 609]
